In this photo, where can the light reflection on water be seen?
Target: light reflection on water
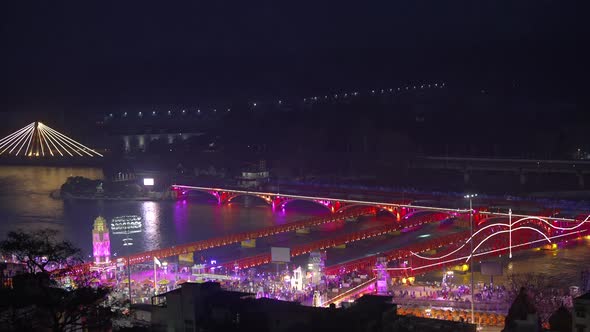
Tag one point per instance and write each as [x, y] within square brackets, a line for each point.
[151, 234]
[25, 203]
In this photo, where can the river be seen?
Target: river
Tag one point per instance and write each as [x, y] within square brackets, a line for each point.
[25, 203]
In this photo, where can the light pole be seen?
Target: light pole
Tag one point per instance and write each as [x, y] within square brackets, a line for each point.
[510, 233]
[470, 197]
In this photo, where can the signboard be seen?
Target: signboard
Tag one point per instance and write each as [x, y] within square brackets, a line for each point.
[148, 181]
[279, 254]
[491, 268]
[186, 259]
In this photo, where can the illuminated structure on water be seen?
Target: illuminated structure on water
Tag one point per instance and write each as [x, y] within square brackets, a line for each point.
[126, 225]
[101, 243]
[39, 140]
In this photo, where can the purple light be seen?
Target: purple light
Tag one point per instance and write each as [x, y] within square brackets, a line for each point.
[101, 243]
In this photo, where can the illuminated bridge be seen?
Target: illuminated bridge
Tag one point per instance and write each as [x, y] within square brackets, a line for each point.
[412, 222]
[499, 234]
[38, 140]
[494, 234]
[279, 201]
[236, 238]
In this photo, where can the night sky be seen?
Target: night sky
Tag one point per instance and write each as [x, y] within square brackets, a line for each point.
[80, 55]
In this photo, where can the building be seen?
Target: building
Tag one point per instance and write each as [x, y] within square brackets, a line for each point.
[254, 176]
[253, 179]
[9, 270]
[581, 313]
[101, 243]
[207, 307]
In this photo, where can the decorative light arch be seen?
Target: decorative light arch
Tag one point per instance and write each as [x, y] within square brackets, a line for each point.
[511, 229]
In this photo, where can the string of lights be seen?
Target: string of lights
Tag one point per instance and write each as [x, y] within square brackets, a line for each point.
[505, 231]
[39, 140]
[307, 100]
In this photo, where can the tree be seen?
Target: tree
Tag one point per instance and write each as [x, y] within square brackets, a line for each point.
[53, 293]
[38, 250]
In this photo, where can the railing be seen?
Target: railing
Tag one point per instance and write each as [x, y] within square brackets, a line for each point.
[235, 238]
[265, 258]
[497, 306]
[350, 292]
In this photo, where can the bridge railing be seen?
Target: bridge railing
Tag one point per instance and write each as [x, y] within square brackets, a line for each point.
[495, 306]
[235, 238]
[301, 249]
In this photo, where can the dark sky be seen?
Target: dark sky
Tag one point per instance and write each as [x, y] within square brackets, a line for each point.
[77, 55]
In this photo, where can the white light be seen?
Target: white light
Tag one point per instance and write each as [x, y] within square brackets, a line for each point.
[148, 181]
[255, 104]
[125, 114]
[488, 252]
[169, 112]
[140, 114]
[153, 112]
[22, 141]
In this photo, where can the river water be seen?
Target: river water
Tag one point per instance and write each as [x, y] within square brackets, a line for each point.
[25, 203]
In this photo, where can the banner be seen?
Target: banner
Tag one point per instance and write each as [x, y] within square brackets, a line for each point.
[186, 259]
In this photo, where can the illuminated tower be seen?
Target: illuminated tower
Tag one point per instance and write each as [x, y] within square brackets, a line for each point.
[101, 244]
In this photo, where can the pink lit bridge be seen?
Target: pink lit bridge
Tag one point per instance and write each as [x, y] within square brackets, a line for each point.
[494, 233]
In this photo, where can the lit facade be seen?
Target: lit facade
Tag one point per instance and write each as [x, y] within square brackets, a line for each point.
[101, 243]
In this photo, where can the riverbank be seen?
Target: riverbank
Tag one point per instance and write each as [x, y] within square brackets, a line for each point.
[155, 196]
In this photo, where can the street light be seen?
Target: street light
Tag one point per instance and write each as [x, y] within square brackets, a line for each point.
[470, 197]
